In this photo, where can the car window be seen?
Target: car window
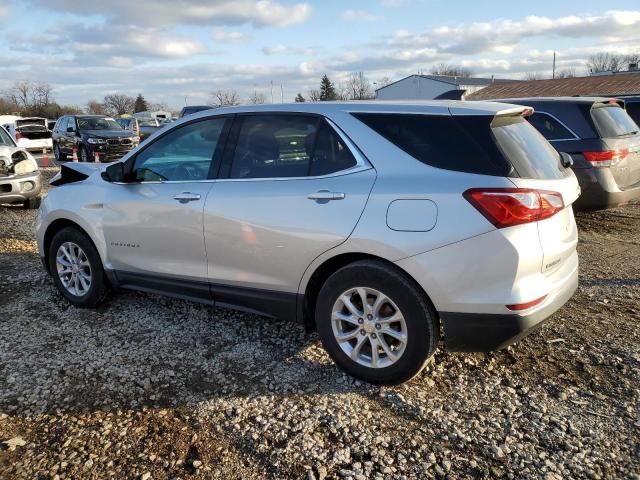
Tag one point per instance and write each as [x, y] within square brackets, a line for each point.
[462, 144]
[288, 146]
[71, 123]
[549, 127]
[182, 154]
[98, 124]
[5, 138]
[612, 121]
[633, 110]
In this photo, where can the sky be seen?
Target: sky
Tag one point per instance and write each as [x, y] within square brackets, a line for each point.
[179, 51]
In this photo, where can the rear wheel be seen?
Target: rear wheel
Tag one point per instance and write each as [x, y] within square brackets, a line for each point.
[76, 268]
[375, 322]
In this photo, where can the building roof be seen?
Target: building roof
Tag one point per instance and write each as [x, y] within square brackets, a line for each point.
[464, 81]
[596, 86]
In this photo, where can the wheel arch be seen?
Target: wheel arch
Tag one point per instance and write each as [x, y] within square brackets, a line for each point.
[328, 268]
[57, 225]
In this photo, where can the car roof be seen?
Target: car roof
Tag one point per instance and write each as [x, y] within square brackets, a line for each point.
[585, 100]
[89, 116]
[373, 106]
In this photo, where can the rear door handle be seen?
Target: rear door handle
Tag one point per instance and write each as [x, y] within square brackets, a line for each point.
[326, 195]
[185, 197]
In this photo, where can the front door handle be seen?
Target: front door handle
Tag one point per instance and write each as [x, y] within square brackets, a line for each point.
[185, 197]
[326, 195]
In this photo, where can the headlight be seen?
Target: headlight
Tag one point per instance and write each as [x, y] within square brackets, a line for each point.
[136, 139]
[96, 141]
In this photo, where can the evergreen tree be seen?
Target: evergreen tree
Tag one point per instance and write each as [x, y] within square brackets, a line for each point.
[300, 98]
[327, 90]
[140, 105]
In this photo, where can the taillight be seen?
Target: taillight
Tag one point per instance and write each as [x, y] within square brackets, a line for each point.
[18, 135]
[506, 207]
[606, 158]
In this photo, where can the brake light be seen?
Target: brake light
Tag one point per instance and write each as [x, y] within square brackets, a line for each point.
[524, 306]
[18, 135]
[506, 207]
[606, 158]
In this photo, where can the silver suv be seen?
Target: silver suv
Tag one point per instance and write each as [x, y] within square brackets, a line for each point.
[375, 223]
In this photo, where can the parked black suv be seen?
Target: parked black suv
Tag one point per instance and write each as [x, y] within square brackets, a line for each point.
[602, 139]
[91, 135]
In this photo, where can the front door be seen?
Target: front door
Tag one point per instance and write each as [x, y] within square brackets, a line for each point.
[293, 190]
[153, 225]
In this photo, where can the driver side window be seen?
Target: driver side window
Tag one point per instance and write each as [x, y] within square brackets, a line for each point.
[182, 154]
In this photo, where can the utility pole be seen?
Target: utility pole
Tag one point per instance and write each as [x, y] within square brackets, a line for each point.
[271, 91]
[553, 75]
[281, 94]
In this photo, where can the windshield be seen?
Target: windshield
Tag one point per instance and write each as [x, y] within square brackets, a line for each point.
[98, 124]
[612, 121]
[527, 150]
[5, 139]
[147, 122]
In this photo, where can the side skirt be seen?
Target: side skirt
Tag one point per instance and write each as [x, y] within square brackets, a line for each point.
[269, 303]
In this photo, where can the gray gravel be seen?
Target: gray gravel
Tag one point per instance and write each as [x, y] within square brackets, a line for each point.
[152, 388]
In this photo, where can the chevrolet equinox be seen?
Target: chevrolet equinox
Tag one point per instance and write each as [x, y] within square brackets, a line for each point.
[385, 226]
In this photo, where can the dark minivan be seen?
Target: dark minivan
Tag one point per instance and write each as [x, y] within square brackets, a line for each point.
[602, 139]
[92, 137]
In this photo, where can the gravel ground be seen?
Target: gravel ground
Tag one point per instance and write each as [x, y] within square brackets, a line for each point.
[148, 387]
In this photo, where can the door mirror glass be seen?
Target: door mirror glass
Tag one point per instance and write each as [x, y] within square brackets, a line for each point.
[70, 129]
[115, 172]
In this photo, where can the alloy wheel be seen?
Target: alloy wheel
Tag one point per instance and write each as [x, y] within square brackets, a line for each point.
[369, 327]
[73, 268]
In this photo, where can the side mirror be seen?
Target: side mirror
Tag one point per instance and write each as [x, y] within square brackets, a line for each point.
[566, 160]
[70, 129]
[114, 172]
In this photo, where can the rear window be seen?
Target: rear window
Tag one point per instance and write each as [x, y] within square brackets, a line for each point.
[633, 110]
[504, 146]
[611, 121]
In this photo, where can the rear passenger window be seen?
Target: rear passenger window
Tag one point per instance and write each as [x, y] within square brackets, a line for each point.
[288, 146]
[549, 127]
[442, 141]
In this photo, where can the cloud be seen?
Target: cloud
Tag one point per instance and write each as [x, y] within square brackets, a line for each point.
[281, 49]
[358, 16]
[223, 36]
[4, 11]
[152, 13]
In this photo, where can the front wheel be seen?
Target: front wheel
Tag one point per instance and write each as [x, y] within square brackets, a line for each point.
[376, 323]
[84, 154]
[76, 268]
[57, 152]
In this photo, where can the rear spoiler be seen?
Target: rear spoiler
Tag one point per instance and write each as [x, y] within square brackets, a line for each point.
[510, 111]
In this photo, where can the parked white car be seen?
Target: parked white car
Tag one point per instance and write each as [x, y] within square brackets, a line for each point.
[31, 133]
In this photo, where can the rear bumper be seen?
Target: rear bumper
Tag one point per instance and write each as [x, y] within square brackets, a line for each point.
[15, 189]
[483, 332]
[599, 191]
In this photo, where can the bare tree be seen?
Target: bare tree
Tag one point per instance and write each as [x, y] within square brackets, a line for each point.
[533, 76]
[95, 107]
[314, 95]
[42, 94]
[257, 98]
[225, 98]
[358, 87]
[450, 70]
[119, 103]
[608, 62]
[22, 93]
[383, 82]
[566, 73]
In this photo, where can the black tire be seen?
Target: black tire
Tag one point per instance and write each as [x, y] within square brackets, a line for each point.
[57, 153]
[31, 203]
[421, 320]
[98, 288]
[84, 154]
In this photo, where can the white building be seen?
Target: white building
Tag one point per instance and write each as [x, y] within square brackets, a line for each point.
[432, 87]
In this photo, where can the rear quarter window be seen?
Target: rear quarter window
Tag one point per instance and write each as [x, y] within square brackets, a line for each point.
[441, 141]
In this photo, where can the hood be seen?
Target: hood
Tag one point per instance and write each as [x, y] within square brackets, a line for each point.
[108, 133]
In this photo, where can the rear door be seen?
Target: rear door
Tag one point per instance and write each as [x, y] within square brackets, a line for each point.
[538, 166]
[291, 187]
